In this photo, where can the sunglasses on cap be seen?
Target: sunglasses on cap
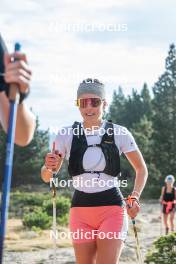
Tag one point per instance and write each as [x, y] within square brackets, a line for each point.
[169, 179]
[84, 102]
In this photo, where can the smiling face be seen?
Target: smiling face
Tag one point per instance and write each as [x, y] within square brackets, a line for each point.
[92, 114]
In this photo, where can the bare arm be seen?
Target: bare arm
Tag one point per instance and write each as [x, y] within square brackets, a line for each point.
[136, 160]
[17, 72]
[25, 124]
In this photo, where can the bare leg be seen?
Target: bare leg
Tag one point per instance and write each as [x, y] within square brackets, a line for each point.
[109, 251]
[165, 217]
[172, 221]
[85, 253]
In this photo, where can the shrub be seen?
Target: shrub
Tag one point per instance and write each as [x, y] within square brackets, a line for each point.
[21, 202]
[28, 199]
[62, 206]
[63, 220]
[163, 251]
[37, 218]
[36, 209]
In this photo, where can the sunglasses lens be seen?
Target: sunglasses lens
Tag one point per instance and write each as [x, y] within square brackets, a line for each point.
[84, 102]
[95, 102]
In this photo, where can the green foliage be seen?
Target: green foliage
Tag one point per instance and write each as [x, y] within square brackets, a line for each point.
[29, 160]
[30, 199]
[164, 120]
[63, 220]
[62, 205]
[134, 109]
[33, 207]
[37, 218]
[127, 111]
[152, 121]
[36, 229]
[154, 183]
[164, 251]
[22, 202]
[117, 106]
[147, 109]
[142, 132]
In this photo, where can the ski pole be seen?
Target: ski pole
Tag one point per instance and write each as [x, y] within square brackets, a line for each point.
[138, 250]
[53, 188]
[13, 99]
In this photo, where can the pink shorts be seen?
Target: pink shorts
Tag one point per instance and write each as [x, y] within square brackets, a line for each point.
[90, 223]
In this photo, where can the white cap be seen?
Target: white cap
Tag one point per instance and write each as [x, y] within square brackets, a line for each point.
[170, 178]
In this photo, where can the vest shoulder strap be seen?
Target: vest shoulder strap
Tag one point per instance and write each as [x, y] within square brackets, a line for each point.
[79, 133]
[75, 124]
[109, 132]
[108, 124]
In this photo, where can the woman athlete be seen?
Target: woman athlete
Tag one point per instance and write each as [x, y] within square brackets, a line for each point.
[168, 199]
[93, 148]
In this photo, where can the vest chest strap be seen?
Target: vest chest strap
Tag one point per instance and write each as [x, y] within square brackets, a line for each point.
[92, 172]
[95, 145]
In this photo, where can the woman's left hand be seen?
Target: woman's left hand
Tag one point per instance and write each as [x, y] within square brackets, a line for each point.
[18, 71]
[133, 210]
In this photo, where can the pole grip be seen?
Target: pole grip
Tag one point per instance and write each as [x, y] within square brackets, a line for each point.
[13, 93]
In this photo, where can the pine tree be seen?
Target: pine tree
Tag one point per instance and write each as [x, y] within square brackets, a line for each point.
[117, 107]
[128, 111]
[134, 110]
[29, 160]
[147, 102]
[142, 133]
[164, 120]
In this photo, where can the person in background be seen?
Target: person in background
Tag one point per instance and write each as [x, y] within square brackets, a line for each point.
[167, 199]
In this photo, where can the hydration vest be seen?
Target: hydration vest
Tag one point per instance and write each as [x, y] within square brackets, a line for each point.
[169, 196]
[107, 145]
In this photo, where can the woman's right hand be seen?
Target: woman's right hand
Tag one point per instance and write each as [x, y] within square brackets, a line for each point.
[53, 161]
